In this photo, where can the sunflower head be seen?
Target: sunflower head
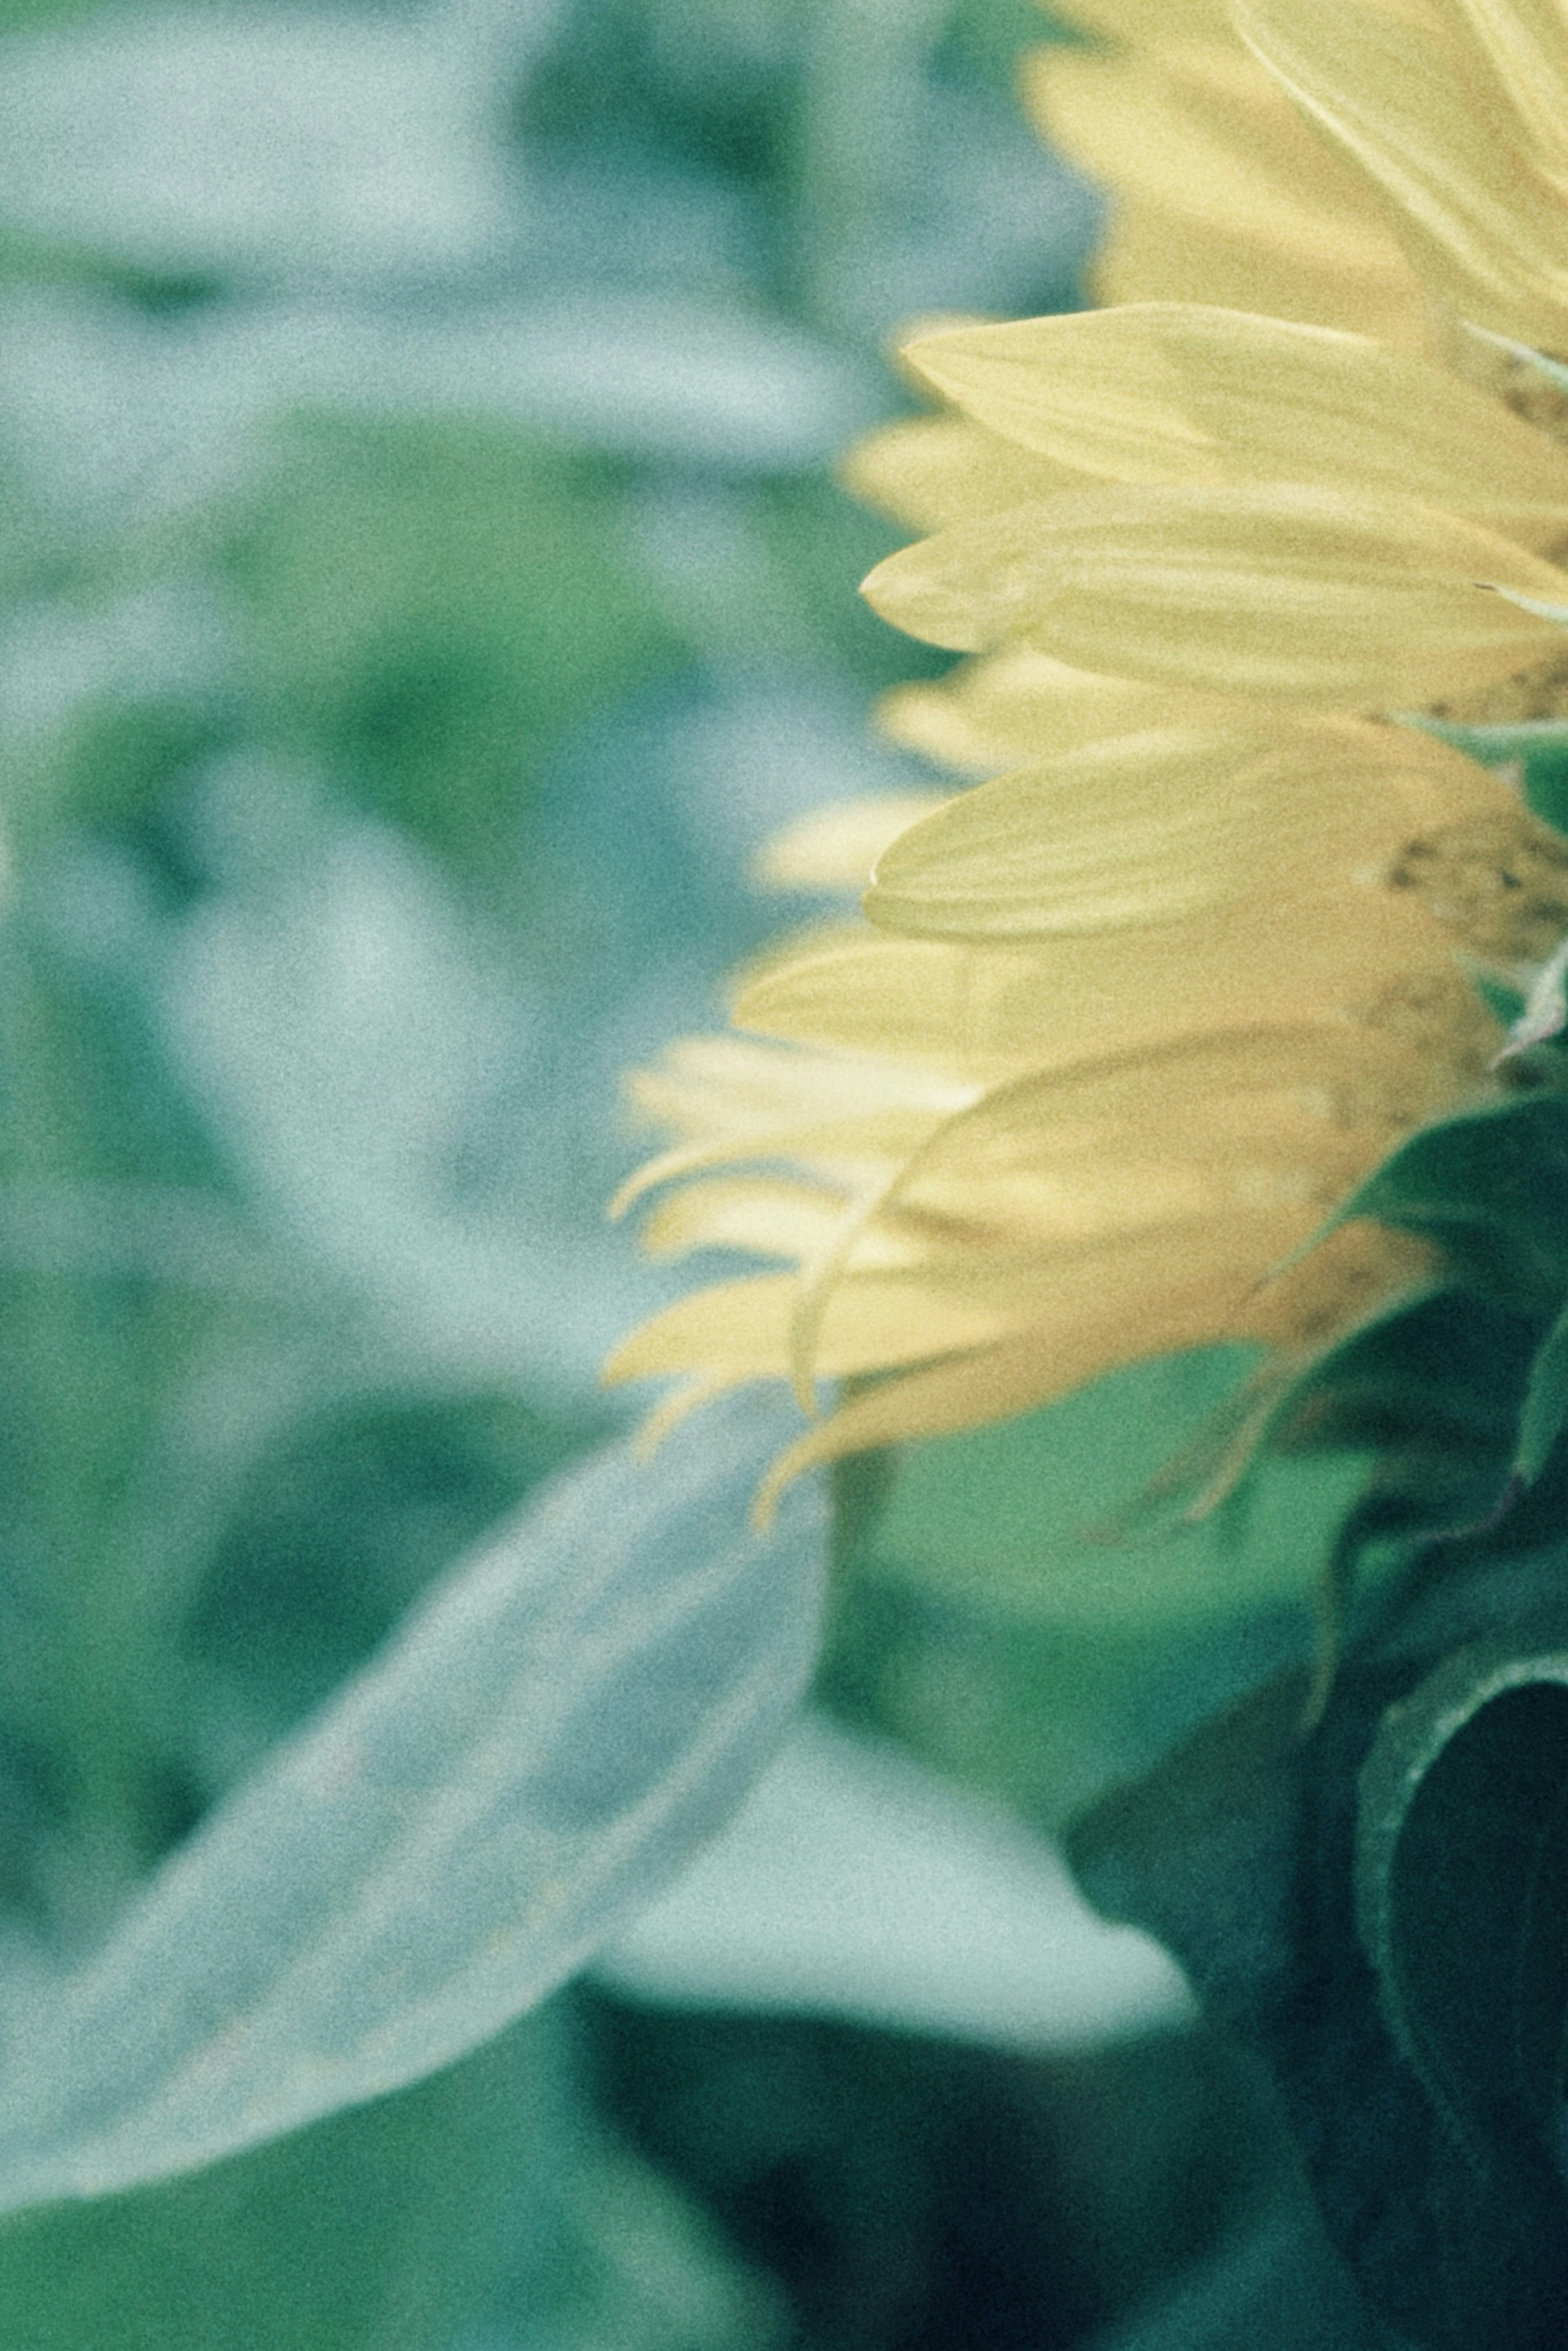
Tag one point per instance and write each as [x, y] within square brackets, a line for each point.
[1218, 909]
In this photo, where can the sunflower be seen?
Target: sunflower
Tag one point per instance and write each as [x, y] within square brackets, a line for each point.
[1130, 1021]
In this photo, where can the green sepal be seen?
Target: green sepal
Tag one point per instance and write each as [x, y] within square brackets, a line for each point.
[1258, 1855]
[1492, 1188]
[1546, 1412]
[1538, 747]
[1444, 1378]
[1499, 745]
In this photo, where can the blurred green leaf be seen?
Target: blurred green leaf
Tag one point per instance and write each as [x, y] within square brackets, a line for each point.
[555, 1730]
[821, 543]
[1277, 2285]
[433, 605]
[853, 1883]
[915, 2195]
[382, 2229]
[122, 766]
[983, 39]
[1039, 1514]
[482, 2198]
[347, 1515]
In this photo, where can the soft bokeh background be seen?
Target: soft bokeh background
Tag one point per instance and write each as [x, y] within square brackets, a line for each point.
[422, 589]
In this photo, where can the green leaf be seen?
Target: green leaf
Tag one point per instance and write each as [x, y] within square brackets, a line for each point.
[1545, 1410]
[1463, 1875]
[1415, 2088]
[1493, 1187]
[558, 1726]
[481, 2206]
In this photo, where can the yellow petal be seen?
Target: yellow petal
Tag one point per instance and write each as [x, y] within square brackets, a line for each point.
[743, 1330]
[986, 1384]
[984, 1013]
[1270, 1121]
[771, 1216]
[1354, 1274]
[970, 1015]
[1161, 392]
[1221, 194]
[1413, 96]
[1145, 1302]
[1153, 1297]
[1058, 1227]
[1525, 43]
[1236, 1145]
[729, 1098]
[929, 471]
[1175, 823]
[835, 847]
[1020, 704]
[732, 1086]
[1269, 589]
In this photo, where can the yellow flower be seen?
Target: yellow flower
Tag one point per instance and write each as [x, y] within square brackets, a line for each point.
[1130, 1023]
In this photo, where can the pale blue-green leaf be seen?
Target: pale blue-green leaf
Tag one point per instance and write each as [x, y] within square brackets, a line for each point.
[268, 143]
[556, 1730]
[486, 2209]
[853, 1882]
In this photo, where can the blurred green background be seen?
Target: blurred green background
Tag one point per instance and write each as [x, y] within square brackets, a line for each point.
[423, 588]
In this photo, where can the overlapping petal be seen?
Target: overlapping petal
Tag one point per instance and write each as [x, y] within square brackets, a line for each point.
[1454, 108]
[1164, 392]
[1177, 824]
[1053, 1229]
[835, 847]
[929, 471]
[1354, 599]
[730, 1098]
[1221, 193]
[1020, 704]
